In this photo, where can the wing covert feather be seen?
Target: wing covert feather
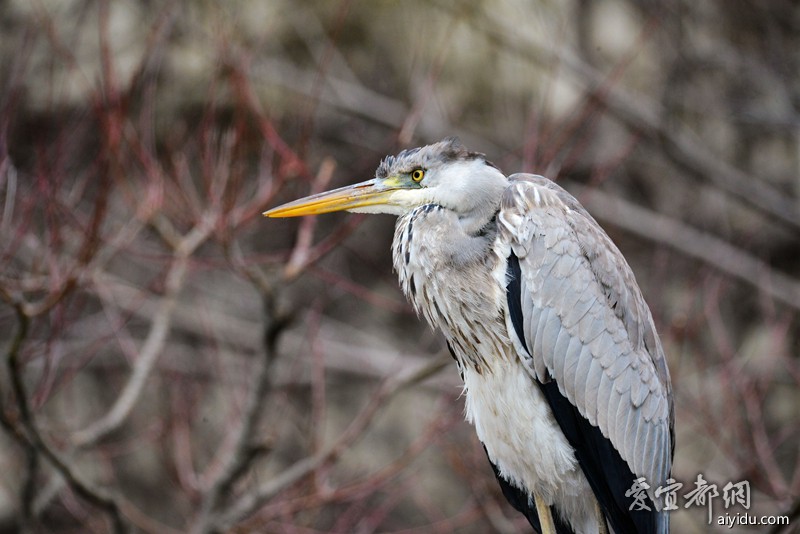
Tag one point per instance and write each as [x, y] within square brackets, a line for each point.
[586, 324]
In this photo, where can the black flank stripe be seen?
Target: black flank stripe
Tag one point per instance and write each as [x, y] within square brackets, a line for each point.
[608, 474]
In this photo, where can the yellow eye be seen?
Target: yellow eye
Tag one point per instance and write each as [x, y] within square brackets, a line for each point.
[417, 175]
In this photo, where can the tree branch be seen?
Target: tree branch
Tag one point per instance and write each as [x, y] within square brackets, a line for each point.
[154, 343]
[642, 117]
[252, 500]
[84, 489]
[691, 242]
[245, 450]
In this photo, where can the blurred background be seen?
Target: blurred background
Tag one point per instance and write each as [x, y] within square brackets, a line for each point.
[173, 362]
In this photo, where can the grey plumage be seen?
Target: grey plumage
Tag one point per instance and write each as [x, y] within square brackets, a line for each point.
[602, 312]
[565, 378]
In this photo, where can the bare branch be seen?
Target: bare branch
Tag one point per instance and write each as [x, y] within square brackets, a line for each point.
[252, 500]
[154, 343]
[245, 451]
[305, 233]
[86, 490]
[688, 241]
[642, 117]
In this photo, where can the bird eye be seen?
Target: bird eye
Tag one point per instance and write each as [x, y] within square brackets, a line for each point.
[417, 175]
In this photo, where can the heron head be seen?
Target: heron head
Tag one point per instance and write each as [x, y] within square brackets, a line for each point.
[444, 173]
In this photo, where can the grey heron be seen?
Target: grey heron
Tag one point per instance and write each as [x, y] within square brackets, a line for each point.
[566, 381]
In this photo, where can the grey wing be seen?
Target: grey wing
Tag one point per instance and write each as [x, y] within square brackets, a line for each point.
[585, 325]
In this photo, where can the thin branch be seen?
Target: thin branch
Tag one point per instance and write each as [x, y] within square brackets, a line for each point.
[416, 113]
[373, 298]
[245, 450]
[793, 513]
[246, 96]
[150, 351]
[691, 242]
[332, 240]
[305, 233]
[359, 489]
[8, 181]
[252, 500]
[84, 489]
[642, 116]
[154, 343]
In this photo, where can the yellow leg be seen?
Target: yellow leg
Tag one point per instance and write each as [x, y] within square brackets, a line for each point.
[601, 519]
[545, 519]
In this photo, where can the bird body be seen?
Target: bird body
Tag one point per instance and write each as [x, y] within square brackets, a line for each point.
[565, 379]
[526, 446]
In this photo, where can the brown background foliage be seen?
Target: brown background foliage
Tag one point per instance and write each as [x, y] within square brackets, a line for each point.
[172, 362]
